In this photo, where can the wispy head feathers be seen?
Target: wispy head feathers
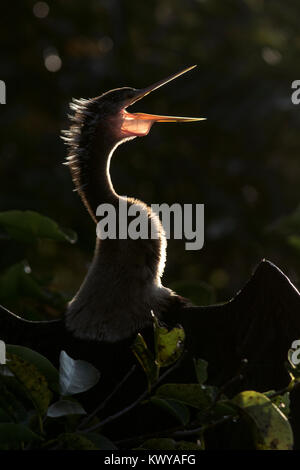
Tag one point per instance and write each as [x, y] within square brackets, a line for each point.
[79, 137]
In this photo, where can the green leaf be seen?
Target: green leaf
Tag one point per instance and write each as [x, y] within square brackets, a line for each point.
[146, 359]
[281, 401]
[176, 409]
[12, 435]
[158, 444]
[101, 442]
[186, 445]
[198, 292]
[71, 441]
[12, 400]
[271, 428]
[76, 376]
[17, 281]
[65, 408]
[28, 226]
[32, 380]
[168, 344]
[40, 362]
[21, 291]
[195, 395]
[224, 408]
[201, 370]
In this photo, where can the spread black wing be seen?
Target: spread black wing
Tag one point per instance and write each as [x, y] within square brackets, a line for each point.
[259, 323]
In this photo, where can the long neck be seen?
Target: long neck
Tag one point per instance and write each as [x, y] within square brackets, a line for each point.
[96, 187]
[91, 145]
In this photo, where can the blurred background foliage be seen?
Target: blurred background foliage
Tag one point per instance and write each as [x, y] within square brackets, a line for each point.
[242, 163]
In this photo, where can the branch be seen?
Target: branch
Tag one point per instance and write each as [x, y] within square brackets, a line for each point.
[107, 399]
[134, 404]
[178, 431]
[227, 384]
[284, 390]
[191, 432]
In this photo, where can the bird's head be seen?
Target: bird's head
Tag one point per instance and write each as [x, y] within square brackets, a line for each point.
[110, 110]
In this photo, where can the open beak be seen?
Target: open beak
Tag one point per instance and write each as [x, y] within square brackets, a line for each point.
[139, 124]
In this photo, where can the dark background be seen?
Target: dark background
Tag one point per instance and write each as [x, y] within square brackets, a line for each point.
[242, 163]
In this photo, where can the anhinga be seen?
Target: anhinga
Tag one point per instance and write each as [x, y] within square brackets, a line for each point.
[123, 283]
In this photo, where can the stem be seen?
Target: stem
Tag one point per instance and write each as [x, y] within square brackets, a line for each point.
[227, 384]
[175, 432]
[284, 390]
[221, 391]
[107, 399]
[191, 432]
[134, 404]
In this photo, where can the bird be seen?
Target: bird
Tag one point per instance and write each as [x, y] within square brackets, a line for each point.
[123, 284]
